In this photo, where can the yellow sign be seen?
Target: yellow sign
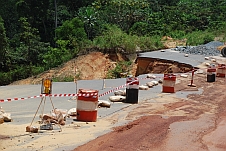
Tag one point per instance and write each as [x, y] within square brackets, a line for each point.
[46, 86]
[47, 83]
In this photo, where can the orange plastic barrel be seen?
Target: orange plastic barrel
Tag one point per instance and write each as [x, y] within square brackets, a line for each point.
[168, 85]
[87, 104]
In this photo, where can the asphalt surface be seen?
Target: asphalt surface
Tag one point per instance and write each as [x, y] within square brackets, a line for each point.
[177, 56]
[23, 111]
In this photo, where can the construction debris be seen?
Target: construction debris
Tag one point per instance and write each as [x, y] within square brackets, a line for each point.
[47, 119]
[32, 129]
[46, 127]
[56, 112]
[4, 117]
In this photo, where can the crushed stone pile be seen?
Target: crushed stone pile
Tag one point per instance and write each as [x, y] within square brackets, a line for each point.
[209, 49]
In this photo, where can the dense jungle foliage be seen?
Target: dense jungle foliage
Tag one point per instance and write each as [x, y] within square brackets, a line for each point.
[36, 35]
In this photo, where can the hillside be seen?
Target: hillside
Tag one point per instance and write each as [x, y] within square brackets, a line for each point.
[94, 65]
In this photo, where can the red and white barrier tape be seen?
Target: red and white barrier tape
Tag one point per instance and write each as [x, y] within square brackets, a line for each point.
[42, 95]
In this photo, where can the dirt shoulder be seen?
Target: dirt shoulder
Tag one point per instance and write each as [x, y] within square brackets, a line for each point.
[197, 122]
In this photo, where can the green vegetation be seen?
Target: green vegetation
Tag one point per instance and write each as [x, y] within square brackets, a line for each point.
[38, 35]
[63, 79]
[121, 67]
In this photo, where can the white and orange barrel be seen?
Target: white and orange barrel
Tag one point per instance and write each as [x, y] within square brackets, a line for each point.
[221, 70]
[87, 104]
[132, 83]
[169, 81]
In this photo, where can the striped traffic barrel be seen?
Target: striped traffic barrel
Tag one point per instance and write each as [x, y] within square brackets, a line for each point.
[132, 90]
[221, 70]
[87, 103]
[169, 81]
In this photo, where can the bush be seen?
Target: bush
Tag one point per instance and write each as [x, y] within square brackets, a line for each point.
[199, 37]
[63, 79]
[121, 67]
[114, 38]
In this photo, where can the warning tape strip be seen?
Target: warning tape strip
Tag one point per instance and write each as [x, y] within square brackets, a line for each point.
[42, 95]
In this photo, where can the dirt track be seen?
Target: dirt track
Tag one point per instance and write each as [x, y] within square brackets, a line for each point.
[197, 122]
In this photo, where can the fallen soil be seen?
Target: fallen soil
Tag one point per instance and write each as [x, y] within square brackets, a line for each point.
[197, 122]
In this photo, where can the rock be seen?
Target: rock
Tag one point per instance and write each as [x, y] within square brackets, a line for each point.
[117, 98]
[72, 112]
[207, 58]
[32, 129]
[1, 119]
[56, 112]
[120, 92]
[151, 76]
[207, 64]
[150, 84]
[155, 82]
[184, 75]
[103, 103]
[199, 71]
[60, 119]
[213, 60]
[7, 117]
[143, 87]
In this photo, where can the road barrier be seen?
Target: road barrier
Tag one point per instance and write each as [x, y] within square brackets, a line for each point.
[132, 90]
[169, 81]
[87, 104]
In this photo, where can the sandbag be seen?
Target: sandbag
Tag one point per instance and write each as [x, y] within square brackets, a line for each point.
[103, 103]
[120, 92]
[117, 98]
[143, 87]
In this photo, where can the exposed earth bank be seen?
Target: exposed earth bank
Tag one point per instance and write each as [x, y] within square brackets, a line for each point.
[197, 122]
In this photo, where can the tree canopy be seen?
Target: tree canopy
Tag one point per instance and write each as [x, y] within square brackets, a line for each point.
[35, 33]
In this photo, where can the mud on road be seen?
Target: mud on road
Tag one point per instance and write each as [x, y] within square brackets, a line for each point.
[197, 122]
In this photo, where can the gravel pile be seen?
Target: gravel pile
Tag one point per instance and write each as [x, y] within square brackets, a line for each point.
[209, 49]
